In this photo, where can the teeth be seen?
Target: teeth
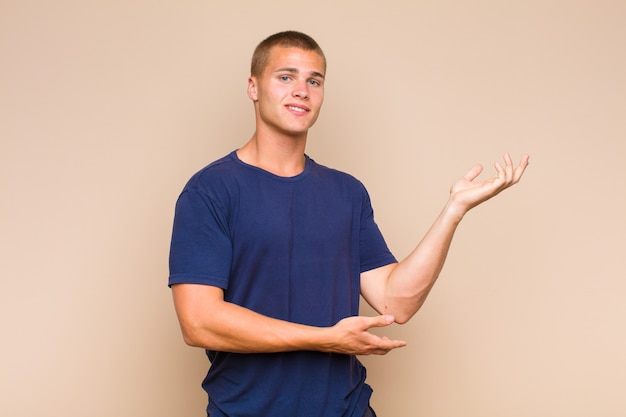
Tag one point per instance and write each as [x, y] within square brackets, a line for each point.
[298, 109]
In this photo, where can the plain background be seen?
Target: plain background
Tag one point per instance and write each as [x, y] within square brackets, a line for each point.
[108, 107]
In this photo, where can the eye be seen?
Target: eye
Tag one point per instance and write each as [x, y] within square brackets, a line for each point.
[284, 78]
[315, 83]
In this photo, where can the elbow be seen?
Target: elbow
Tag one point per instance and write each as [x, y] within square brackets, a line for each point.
[405, 312]
[403, 318]
[194, 336]
[190, 338]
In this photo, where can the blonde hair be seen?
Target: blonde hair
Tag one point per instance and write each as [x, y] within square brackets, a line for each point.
[287, 39]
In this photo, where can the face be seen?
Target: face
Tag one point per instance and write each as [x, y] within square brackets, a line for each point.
[289, 93]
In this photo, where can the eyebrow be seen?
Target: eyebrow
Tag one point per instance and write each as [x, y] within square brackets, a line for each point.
[296, 71]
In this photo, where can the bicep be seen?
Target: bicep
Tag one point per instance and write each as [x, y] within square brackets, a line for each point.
[373, 284]
[194, 303]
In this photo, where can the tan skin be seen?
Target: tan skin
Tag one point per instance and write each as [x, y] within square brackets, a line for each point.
[287, 99]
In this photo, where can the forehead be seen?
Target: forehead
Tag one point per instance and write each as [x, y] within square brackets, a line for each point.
[296, 58]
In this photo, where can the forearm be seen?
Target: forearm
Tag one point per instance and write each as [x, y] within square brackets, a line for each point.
[223, 326]
[410, 281]
[209, 322]
[239, 330]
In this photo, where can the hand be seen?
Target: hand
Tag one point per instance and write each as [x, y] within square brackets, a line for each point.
[351, 336]
[466, 194]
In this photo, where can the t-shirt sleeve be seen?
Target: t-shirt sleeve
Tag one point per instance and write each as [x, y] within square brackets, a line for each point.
[201, 249]
[374, 251]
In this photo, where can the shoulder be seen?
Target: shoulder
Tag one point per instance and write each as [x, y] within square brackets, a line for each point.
[217, 177]
[214, 185]
[218, 169]
[336, 176]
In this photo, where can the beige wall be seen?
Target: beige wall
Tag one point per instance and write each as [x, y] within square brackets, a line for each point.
[106, 108]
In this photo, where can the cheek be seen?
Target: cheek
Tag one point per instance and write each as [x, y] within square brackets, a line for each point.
[275, 94]
[318, 98]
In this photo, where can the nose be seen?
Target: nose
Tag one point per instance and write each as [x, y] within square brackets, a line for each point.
[301, 90]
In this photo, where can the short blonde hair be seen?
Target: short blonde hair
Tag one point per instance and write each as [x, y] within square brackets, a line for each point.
[287, 39]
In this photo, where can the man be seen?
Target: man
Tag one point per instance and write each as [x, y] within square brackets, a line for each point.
[270, 252]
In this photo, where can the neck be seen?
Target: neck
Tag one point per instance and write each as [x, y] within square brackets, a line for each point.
[282, 156]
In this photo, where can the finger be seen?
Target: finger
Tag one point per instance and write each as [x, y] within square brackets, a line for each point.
[521, 168]
[385, 342]
[388, 346]
[508, 167]
[474, 172]
[500, 170]
[393, 343]
[502, 178]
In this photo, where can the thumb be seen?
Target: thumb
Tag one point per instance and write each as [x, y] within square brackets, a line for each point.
[473, 172]
[382, 320]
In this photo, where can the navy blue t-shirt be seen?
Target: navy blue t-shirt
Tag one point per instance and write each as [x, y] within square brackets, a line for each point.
[291, 248]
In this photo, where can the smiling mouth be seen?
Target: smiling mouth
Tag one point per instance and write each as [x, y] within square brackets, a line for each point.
[297, 109]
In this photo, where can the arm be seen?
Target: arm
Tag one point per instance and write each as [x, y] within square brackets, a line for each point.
[401, 289]
[209, 322]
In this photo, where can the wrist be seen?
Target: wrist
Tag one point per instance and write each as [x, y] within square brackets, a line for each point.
[323, 340]
[454, 212]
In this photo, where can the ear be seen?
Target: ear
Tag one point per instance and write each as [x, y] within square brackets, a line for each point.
[252, 89]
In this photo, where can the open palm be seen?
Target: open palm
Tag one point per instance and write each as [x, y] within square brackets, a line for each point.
[468, 193]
